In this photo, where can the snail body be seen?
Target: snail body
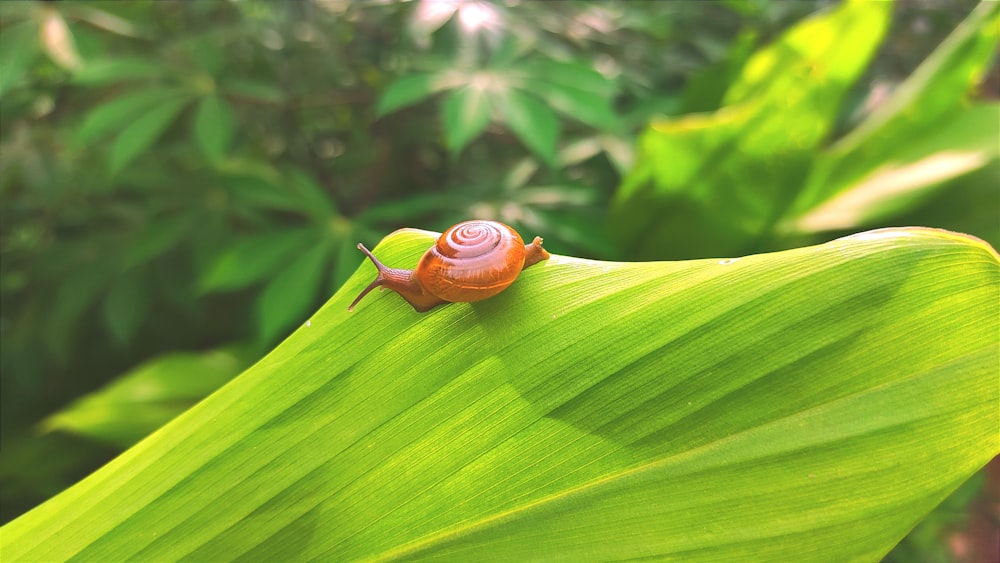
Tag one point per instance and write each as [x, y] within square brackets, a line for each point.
[471, 261]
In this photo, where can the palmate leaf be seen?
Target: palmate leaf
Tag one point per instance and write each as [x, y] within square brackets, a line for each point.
[807, 405]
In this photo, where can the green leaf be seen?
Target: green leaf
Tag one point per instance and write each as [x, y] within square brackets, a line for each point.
[95, 73]
[315, 196]
[148, 396]
[586, 107]
[807, 405]
[252, 258]
[720, 181]
[125, 306]
[143, 132]
[531, 121]
[18, 49]
[257, 189]
[570, 75]
[287, 298]
[78, 290]
[122, 111]
[157, 237]
[409, 90]
[576, 90]
[964, 142]
[466, 113]
[931, 100]
[214, 126]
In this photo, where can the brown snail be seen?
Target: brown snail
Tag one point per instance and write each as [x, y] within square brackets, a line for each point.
[471, 261]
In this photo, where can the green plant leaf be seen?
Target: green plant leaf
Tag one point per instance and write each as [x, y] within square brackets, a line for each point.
[100, 72]
[148, 396]
[466, 113]
[317, 199]
[908, 174]
[574, 89]
[571, 75]
[532, 121]
[252, 258]
[806, 405]
[287, 297]
[18, 49]
[125, 306]
[261, 190]
[586, 107]
[214, 126]
[121, 111]
[929, 103]
[143, 132]
[409, 90]
[158, 237]
[722, 180]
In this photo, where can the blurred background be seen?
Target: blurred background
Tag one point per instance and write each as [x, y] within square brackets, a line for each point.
[183, 183]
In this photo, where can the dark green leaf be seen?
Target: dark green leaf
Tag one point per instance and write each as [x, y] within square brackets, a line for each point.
[214, 127]
[121, 111]
[466, 113]
[125, 306]
[143, 132]
[267, 191]
[75, 295]
[253, 258]
[531, 121]
[150, 395]
[587, 107]
[107, 71]
[158, 237]
[286, 299]
[18, 48]
[410, 90]
[571, 75]
[315, 197]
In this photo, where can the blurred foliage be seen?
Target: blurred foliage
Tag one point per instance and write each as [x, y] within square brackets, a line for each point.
[759, 172]
[185, 176]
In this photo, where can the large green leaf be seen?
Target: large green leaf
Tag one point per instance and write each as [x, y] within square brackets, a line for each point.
[807, 405]
[722, 179]
[926, 133]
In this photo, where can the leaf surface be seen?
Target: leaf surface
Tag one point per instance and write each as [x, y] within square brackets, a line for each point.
[214, 126]
[143, 132]
[806, 405]
[466, 113]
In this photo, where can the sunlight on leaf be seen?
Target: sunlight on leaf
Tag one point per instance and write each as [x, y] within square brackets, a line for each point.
[885, 185]
[466, 113]
[57, 40]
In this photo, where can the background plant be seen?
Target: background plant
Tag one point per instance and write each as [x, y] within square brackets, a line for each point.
[182, 177]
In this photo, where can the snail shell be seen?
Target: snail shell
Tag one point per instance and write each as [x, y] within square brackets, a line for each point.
[471, 261]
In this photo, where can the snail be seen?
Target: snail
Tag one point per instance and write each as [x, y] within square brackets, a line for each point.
[471, 261]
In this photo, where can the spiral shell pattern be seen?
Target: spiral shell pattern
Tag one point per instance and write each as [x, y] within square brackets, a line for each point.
[471, 261]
